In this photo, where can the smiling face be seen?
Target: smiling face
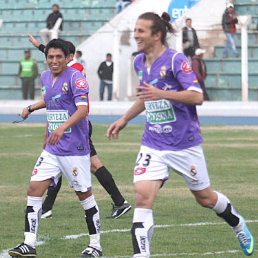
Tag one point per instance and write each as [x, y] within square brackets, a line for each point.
[143, 35]
[56, 61]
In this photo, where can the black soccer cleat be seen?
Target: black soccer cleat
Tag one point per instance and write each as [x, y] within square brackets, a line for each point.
[22, 250]
[46, 214]
[91, 252]
[118, 211]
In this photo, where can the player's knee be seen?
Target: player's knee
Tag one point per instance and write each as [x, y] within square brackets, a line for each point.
[143, 201]
[83, 195]
[32, 191]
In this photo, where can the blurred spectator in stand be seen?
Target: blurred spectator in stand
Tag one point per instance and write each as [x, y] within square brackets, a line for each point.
[121, 4]
[28, 72]
[199, 68]
[78, 57]
[105, 73]
[190, 39]
[54, 25]
[229, 21]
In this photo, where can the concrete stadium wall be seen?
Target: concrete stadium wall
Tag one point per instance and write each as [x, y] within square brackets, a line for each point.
[205, 15]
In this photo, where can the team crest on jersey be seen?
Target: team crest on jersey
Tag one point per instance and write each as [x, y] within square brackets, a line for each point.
[186, 67]
[138, 171]
[81, 84]
[65, 88]
[193, 171]
[75, 172]
[163, 72]
[44, 90]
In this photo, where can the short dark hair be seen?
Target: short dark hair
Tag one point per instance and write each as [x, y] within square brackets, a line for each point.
[108, 54]
[188, 19]
[79, 53]
[71, 47]
[57, 43]
[55, 5]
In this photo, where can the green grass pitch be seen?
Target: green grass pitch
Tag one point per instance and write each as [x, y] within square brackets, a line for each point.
[232, 160]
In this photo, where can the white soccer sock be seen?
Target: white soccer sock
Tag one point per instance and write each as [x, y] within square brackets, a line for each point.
[32, 218]
[225, 210]
[221, 204]
[143, 235]
[92, 219]
[88, 202]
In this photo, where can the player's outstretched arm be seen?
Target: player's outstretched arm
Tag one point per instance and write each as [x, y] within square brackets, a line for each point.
[28, 110]
[33, 40]
[136, 109]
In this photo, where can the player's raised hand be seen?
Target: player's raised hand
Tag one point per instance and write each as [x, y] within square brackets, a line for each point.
[33, 40]
[149, 92]
[113, 130]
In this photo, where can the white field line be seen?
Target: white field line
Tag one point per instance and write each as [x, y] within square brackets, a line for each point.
[156, 226]
[183, 254]
[4, 253]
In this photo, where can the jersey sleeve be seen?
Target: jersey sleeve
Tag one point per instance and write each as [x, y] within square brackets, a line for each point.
[42, 81]
[184, 74]
[80, 89]
[78, 67]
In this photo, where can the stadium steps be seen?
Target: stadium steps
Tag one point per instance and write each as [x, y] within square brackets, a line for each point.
[69, 25]
[81, 19]
[252, 51]
[223, 80]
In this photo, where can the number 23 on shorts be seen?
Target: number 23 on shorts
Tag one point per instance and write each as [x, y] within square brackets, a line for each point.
[143, 159]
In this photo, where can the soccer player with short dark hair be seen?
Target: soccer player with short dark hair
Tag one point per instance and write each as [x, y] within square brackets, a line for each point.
[120, 206]
[66, 151]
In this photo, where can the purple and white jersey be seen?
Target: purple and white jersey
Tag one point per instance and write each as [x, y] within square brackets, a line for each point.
[62, 98]
[169, 125]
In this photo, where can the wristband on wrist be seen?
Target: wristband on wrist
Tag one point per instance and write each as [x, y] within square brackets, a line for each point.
[29, 109]
[42, 48]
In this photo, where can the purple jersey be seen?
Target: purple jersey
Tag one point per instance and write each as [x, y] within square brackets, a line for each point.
[69, 91]
[169, 125]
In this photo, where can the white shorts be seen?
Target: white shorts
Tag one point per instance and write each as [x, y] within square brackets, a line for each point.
[190, 163]
[75, 168]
